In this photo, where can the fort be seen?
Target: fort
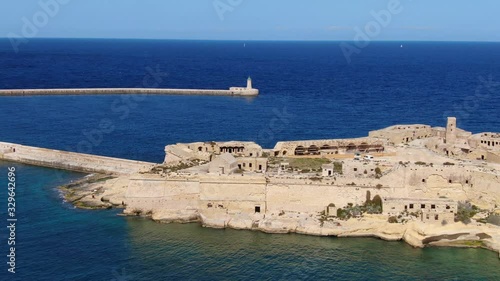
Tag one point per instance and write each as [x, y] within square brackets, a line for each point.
[248, 91]
[428, 186]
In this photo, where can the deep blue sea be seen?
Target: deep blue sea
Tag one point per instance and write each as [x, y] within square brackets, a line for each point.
[308, 91]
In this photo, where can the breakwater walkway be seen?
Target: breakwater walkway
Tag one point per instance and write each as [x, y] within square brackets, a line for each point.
[70, 160]
[124, 91]
[247, 91]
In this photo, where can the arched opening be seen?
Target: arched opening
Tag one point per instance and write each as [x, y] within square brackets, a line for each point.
[284, 152]
[300, 150]
[313, 150]
[325, 147]
[351, 147]
[363, 147]
[200, 149]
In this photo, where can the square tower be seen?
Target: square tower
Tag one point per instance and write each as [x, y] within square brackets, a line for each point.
[451, 130]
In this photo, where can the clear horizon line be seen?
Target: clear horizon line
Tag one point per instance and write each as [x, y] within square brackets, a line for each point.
[260, 40]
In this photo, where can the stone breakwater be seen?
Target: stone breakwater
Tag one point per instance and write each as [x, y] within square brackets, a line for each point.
[70, 160]
[127, 91]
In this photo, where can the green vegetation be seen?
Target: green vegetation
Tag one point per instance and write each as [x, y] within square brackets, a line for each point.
[313, 164]
[420, 163]
[378, 173]
[465, 212]
[181, 166]
[371, 206]
[379, 186]
[349, 212]
[448, 164]
[337, 167]
[470, 243]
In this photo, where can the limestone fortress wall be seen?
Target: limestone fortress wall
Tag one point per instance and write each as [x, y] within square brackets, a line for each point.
[69, 160]
[179, 198]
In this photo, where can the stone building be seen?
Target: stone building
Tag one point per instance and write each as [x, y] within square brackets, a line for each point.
[248, 91]
[429, 210]
[225, 164]
[207, 150]
[403, 133]
[329, 147]
[252, 164]
[455, 142]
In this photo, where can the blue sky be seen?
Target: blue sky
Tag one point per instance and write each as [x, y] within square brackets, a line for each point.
[448, 20]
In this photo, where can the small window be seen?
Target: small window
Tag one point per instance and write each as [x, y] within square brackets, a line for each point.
[449, 181]
[422, 206]
[355, 169]
[467, 181]
[257, 209]
[250, 165]
[433, 206]
[411, 206]
[209, 205]
[423, 180]
[436, 217]
[447, 207]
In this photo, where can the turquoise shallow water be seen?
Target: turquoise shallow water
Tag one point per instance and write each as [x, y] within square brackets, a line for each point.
[58, 242]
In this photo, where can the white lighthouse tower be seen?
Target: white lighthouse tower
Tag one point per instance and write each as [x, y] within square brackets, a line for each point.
[249, 83]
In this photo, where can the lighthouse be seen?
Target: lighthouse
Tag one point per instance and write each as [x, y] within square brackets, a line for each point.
[249, 83]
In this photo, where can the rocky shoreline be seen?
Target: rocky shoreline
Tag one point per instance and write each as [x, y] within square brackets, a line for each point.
[99, 191]
[93, 192]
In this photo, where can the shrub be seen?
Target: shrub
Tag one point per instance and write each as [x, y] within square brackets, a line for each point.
[448, 164]
[379, 186]
[420, 163]
[377, 201]
[341, 214]
[393, 219]
[494, 219]
[337, 167]
[465, 212]
[368, 200]
[378, 172]
[373, 209]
